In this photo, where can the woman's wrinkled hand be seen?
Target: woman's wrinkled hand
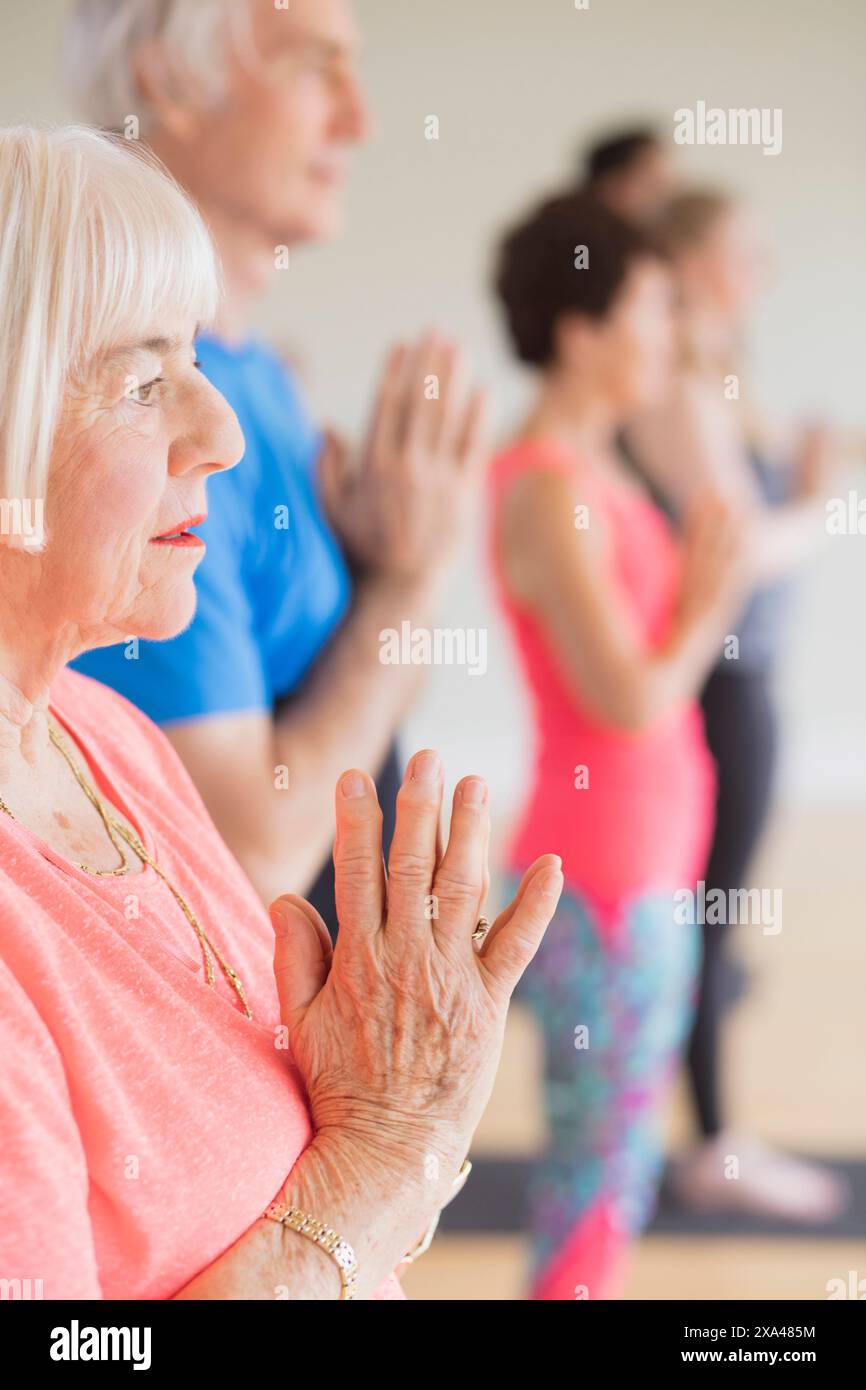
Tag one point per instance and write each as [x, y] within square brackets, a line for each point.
[397, 1032]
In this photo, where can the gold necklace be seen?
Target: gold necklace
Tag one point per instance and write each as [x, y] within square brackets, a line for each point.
[112, 825]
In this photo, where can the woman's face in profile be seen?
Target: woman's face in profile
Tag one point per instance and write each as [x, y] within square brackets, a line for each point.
[729, 268]
[137, 438]
[639, 337]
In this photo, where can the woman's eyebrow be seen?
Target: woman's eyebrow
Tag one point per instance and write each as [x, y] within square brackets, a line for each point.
[163, 345]
[159, 346]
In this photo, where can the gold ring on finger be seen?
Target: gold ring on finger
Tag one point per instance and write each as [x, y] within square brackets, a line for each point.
[481, 930]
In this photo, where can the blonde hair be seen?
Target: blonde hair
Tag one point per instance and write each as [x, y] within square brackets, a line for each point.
[97, 245]
[103, 36]
[688, 217]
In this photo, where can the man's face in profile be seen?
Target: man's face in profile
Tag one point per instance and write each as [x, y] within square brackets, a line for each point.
[275, 150]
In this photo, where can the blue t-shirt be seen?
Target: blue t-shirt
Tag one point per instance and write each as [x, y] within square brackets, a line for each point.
[273, 584]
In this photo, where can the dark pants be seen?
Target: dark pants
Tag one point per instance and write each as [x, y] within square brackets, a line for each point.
[321, 895]
[742, 736]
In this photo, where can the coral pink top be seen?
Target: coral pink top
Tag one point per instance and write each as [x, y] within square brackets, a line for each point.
[643, 822]
[146, 1122]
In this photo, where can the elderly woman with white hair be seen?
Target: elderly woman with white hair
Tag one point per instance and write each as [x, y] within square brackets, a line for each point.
[192, 1098]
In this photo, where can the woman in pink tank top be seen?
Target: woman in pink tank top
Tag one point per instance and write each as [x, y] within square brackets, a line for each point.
[615, 629]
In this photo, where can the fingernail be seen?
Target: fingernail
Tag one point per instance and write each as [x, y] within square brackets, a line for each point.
[352, 785]
[425, 767]
[551, 883]
[474, 792]
[281, 917]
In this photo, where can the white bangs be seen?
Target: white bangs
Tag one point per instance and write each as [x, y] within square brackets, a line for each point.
[145, 258]
[98, 247]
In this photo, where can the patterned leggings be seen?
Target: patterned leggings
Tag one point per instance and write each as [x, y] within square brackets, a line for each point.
[614, 999]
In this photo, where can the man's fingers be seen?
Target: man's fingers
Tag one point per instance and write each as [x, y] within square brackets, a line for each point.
[474, 436]
[413, 855]
[332, 470]
[387, 419]
[508, 952]
[434, 424]
[462, 874]
[421, 409]
[423, 402]
[448, 423]
[411, 393]
[359, 876]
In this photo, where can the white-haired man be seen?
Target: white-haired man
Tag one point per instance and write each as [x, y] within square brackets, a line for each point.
[277, 684]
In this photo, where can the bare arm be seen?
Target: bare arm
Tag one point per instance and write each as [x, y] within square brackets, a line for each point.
[693, 442]
[785, 536]
[559, 573]
[279, 824]
[379, 1217]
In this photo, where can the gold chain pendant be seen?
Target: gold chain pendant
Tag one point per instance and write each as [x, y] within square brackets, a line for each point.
[114, 828]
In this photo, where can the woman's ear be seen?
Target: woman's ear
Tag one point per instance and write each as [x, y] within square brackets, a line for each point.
[172, 99]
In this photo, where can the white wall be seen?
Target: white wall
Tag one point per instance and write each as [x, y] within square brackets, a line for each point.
[517, 87]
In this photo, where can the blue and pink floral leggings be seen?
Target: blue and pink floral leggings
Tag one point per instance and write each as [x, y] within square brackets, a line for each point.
[613, 996]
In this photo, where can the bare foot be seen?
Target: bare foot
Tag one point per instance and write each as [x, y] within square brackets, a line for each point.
[734, 1172]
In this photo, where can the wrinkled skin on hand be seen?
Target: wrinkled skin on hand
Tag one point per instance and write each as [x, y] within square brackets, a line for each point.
[397, 1032]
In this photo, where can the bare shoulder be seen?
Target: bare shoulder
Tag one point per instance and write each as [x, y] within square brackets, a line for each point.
[543, 511]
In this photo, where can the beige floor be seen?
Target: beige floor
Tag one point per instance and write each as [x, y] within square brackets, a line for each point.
[795, 1060]
[492, 1267]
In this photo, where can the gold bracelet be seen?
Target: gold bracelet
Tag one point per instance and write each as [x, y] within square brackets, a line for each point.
[426, 1240]
[334, 1245]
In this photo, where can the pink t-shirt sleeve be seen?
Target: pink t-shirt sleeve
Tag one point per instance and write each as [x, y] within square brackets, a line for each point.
[45, 1231]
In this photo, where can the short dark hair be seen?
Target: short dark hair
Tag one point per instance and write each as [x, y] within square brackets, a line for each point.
[618, 152]
[537, 278]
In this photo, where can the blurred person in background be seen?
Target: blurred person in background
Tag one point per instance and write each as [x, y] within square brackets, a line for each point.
[631, 172]
[277, 683]
[704, 431]
[616, 628]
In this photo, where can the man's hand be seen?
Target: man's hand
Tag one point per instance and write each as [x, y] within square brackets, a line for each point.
[400, 509]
